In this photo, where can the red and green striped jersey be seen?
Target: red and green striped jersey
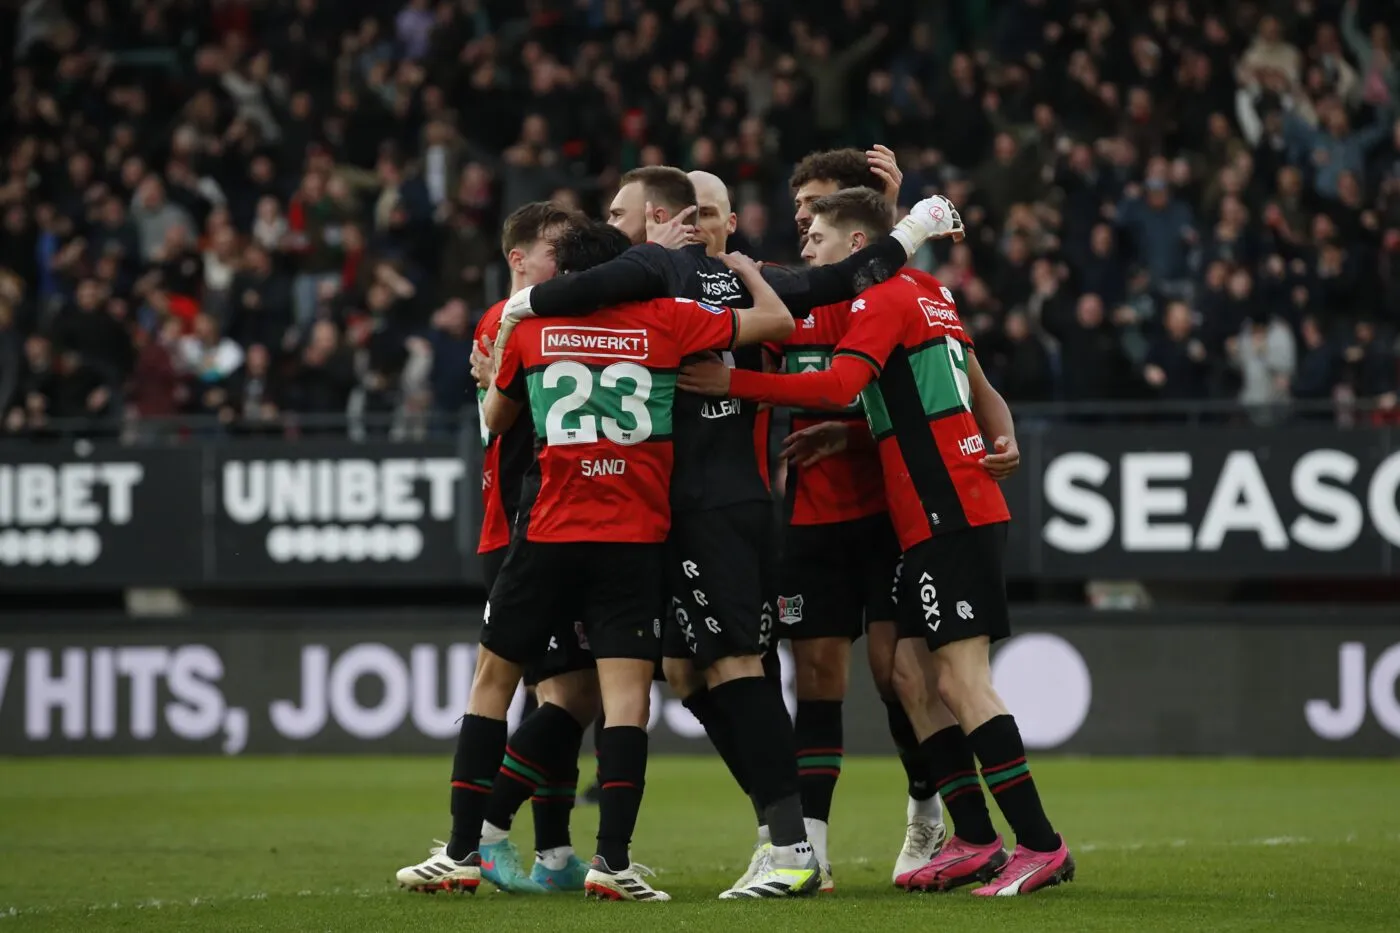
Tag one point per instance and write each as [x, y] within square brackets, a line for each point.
[919, 408]
[505, 458]
[601, 393]
[845, 486]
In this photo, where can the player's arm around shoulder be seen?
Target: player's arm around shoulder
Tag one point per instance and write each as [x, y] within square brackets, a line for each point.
[994, 418]
[769, 320]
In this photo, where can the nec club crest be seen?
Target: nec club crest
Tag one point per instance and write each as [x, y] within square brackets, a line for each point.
[789, 609]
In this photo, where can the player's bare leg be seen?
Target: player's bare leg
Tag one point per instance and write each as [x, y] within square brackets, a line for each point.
[622, 761]
[960, 675]
[964, 679]
[974, 852]
[823, 674]
[924, 831]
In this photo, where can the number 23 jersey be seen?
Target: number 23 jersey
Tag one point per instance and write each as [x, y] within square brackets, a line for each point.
[601, 393]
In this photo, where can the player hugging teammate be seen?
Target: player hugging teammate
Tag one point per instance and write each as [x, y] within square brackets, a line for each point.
[626, 462]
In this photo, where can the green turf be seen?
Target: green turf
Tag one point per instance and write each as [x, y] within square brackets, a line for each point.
[311, 844]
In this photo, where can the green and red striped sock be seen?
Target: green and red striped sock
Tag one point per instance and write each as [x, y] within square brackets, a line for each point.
[998, 745]
[480, 743]
[819, 754]
[542, 748]
[947, 756]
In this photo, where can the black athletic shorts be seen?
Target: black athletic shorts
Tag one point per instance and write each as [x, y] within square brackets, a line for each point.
[719, 576]
[673, 646]
[554, 605]
[952, 587]
[835, 579]
[566, 652]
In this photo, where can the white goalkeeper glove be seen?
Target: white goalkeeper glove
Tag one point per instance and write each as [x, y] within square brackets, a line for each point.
[516, 310]
[518, 306]
[931, 219]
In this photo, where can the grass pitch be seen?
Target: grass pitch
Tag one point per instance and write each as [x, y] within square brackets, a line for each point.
[312, 844]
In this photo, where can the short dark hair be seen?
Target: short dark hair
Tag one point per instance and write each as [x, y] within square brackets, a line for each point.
[527, 224]
[847, 167]
[666, 186]
[585, 245]
[855, 207]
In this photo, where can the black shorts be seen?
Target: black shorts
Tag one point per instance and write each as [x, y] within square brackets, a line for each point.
[565, 655]
[953, 587]
[835, 579]
[719, 573]
[554, 605]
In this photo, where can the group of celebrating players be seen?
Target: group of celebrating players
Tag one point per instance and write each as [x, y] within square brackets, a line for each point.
[626, 385]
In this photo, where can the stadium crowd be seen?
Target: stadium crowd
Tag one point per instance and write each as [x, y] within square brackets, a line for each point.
[245, 209]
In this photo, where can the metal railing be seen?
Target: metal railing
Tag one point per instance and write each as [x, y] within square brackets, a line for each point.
[397, 426]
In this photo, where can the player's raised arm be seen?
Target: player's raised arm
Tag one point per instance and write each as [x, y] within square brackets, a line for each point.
[630, 277]
[805, 289]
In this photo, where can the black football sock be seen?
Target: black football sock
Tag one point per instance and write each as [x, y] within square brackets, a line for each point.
[948, 757]
[533, 754]
[702, 706]
[622, 760]
[553, 805]
[598, 727]
[480, 744]
[998, 745]
[906, 743]
[764, 741]
[819, 752]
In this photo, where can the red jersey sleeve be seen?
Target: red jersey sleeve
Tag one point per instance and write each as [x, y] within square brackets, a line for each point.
[510, 376]
[833, 388]
[876, 329]
[697, 326]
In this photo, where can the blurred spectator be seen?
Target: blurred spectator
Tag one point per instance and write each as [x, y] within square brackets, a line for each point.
[1093, 364]
[1371, 366]
[206, 356]
[253, 397]
[324, 376]
[1161, 228]
[1176, 361]
[1021, 369]
[1317, 374]
[753, 236]
[312, 178]
[450, 341]
[157, 388]
[154, 216]
[1266, 357]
